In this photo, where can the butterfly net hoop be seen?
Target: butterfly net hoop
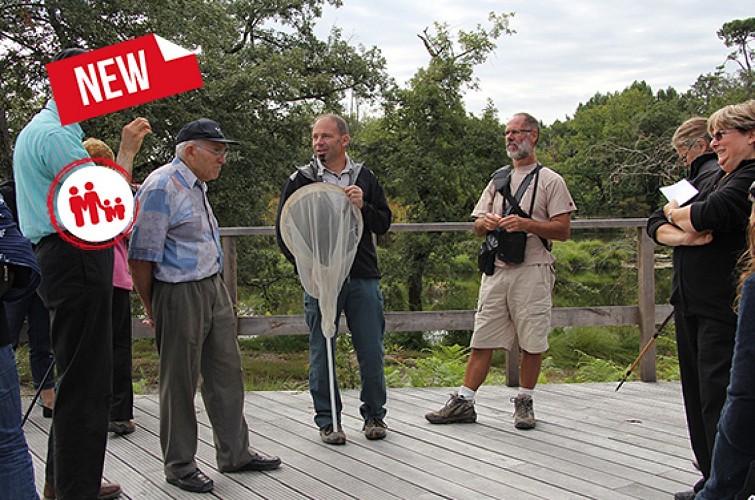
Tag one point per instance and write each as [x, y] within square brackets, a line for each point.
[322, 230]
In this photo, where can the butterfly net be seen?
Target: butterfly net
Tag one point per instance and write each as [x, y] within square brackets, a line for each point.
[322, 230]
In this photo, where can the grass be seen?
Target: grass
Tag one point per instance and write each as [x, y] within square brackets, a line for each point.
[589, 354]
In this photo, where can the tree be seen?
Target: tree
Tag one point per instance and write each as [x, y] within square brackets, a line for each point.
[265, 75]
[739, 33]
[433, 157]
[265, 72]
[616, 150]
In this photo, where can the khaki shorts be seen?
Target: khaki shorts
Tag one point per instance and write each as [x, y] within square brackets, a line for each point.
[515, 302]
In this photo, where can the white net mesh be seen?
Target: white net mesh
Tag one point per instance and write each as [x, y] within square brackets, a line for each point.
[322, 230]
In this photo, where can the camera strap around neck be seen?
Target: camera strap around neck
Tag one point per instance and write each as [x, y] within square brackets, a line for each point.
[513, 201]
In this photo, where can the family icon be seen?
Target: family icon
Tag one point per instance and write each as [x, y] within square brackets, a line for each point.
[95, 204]
[90, 202]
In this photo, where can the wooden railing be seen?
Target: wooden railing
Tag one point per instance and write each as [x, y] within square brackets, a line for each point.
[645, 314]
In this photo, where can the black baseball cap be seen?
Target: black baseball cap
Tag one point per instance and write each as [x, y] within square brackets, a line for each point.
[69, 52]
[204, 128]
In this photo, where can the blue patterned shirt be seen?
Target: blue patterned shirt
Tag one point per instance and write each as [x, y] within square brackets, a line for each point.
[175, 227]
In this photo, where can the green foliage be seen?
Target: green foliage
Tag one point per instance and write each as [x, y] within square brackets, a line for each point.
[265, 76]
[444, 366]
[595, 271]
[282, 344]
[415, 146]
[593, 369]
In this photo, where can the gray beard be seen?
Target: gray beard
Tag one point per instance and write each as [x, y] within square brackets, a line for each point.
[523, 152]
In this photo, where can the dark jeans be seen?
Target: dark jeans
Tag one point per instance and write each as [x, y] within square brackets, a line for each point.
[77, 288]
[734, 452]
[40, 350]
[362, 302]
[705, 348]
[122, 404]
[16, 468]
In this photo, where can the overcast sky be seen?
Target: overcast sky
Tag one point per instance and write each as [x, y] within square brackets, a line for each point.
[563, 51]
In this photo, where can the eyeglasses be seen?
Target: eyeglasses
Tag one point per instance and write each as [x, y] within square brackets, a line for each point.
[517, 132]
[719, 134]
[217, 154]
[682, 160]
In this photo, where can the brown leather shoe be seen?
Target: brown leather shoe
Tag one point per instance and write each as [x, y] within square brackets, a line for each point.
[107, 491]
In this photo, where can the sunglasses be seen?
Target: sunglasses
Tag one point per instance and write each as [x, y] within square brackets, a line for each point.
[719, 134]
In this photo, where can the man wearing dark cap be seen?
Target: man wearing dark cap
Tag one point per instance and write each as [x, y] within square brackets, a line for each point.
[77, 289]
[176, 261]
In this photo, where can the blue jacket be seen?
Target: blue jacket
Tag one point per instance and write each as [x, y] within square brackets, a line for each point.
[18, 265]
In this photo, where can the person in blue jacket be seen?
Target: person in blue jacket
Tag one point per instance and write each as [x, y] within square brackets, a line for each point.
[19, 278]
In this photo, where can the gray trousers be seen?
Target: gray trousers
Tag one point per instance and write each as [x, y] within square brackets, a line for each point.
[195, 328]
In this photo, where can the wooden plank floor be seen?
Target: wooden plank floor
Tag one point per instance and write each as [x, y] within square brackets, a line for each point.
[590, 442]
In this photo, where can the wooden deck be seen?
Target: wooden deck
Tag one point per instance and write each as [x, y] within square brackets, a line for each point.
[590, 442]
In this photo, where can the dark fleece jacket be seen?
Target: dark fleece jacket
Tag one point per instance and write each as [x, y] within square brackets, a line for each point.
[375, 213]
[704, 282]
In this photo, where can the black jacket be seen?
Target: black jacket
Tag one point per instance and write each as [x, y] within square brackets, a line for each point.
[704, 169]
[705, 277]
[375, 213]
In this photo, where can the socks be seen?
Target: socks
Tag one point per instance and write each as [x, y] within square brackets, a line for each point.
[466, 393]
[526, 392]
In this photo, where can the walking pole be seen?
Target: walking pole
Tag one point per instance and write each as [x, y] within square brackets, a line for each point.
[39, 391]
[332, 383]
[645, 349]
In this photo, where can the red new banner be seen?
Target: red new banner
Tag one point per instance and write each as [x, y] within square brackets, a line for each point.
[120, 76]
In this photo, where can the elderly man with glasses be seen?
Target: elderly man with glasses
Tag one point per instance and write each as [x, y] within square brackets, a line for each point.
[176, 261]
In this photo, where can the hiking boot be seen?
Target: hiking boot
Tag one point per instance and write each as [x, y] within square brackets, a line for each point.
[457, 410]
[524, 414]
[374, 428]
[329, 437]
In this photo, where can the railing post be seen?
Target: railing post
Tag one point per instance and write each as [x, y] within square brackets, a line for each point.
[229, 266]
[646, 301]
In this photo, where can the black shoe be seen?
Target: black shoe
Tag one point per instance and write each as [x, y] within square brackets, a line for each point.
[121, 427]
[46, 412]
[260, 462]
[195, 481]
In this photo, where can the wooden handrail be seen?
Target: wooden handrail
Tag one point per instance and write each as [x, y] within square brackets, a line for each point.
[645, 314]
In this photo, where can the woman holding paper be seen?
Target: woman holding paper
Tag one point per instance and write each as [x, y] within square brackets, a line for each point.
[708, 236]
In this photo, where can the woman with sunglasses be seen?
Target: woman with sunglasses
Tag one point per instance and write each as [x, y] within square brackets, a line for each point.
[733, 468]
[708, 236]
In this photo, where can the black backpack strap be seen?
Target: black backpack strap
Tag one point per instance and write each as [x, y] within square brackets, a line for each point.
[514, 200]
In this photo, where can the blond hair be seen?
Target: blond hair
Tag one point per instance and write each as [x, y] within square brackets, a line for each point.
[691, 130]
[739, 116]
[747, 259]
[98, 149]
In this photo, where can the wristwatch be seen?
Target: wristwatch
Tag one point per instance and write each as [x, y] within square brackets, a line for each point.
[669, 218]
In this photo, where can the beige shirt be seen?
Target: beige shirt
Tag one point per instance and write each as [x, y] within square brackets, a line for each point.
[553, 198]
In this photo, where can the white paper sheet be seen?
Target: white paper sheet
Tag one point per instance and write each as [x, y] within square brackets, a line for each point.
[682, 191]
